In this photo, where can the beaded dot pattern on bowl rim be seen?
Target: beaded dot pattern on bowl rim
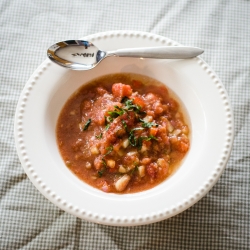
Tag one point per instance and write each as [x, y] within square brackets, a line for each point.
[122, 220]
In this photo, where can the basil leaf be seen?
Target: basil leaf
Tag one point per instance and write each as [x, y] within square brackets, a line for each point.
[108, 120]
[102, 171]
[140, 139]
[109, 149]
[99, 136]
[152, 137]
[134, 129]
[87, 125]
[107, 126]
[132, 139]
[125, 125]
[114, 114]
[124, 99]
[117, 112]
[145, 138]
[130, 106]
[132, 172]
[148, 124]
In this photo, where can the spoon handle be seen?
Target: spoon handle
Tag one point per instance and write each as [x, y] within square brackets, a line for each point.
[164, 52]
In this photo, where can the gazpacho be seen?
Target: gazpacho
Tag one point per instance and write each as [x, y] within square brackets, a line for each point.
[122, 133]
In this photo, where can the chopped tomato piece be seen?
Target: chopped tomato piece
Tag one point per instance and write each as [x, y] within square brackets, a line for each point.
[153, 131]
[128, 118]
[121, 90]
[114, 132]
[146, 161]
[103, 185]
[138, 101]
[183, 147]
[180, 145]
[117, 146]
[152, 170]
[99, 118]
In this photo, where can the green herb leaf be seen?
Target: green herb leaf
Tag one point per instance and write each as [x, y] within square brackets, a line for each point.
[132, 139]
[109, 150]
[118, 108]
[99, 136]
[113, 114]
[152, 137]
[134, 129]
[145, 138]
[86, 125]
[139, 145]
[125, 125]
[148, 124]
[107, 126]
[102, 171]
[124, 99]
[104, 163]
[130, 106]
[132, 172]
[117, 112]
[108, 120]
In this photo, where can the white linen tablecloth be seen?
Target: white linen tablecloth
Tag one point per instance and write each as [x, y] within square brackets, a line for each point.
[221, 220]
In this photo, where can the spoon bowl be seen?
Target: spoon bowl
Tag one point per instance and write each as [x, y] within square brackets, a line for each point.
[76, 54]
[84, 55]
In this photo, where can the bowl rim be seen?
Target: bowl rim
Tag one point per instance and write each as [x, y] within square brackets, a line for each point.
[122, 221]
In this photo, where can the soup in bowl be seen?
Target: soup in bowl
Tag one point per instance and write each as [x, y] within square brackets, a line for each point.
[122, 133]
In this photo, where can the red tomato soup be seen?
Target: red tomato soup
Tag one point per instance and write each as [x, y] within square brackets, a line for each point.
[122, 133]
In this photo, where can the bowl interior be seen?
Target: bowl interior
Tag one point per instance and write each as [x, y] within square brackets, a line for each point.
[165, 71]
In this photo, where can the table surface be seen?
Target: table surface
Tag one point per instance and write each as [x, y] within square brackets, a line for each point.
[220, 220]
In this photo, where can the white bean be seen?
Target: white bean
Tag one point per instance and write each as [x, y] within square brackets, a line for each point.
[94, 150]
[148, 118]
[111, 163]
[162, 163]
[176, 132]
[122, 183]
[88, 165]
[144, 148]
[131, 153]
[122, 169]
[185, 130]
[125, 143]
[170, 128]
[141, 171]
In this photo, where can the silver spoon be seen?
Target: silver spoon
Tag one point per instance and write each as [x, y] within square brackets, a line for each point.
[84, 55]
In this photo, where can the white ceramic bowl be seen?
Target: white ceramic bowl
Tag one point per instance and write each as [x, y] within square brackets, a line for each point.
[193, 81]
